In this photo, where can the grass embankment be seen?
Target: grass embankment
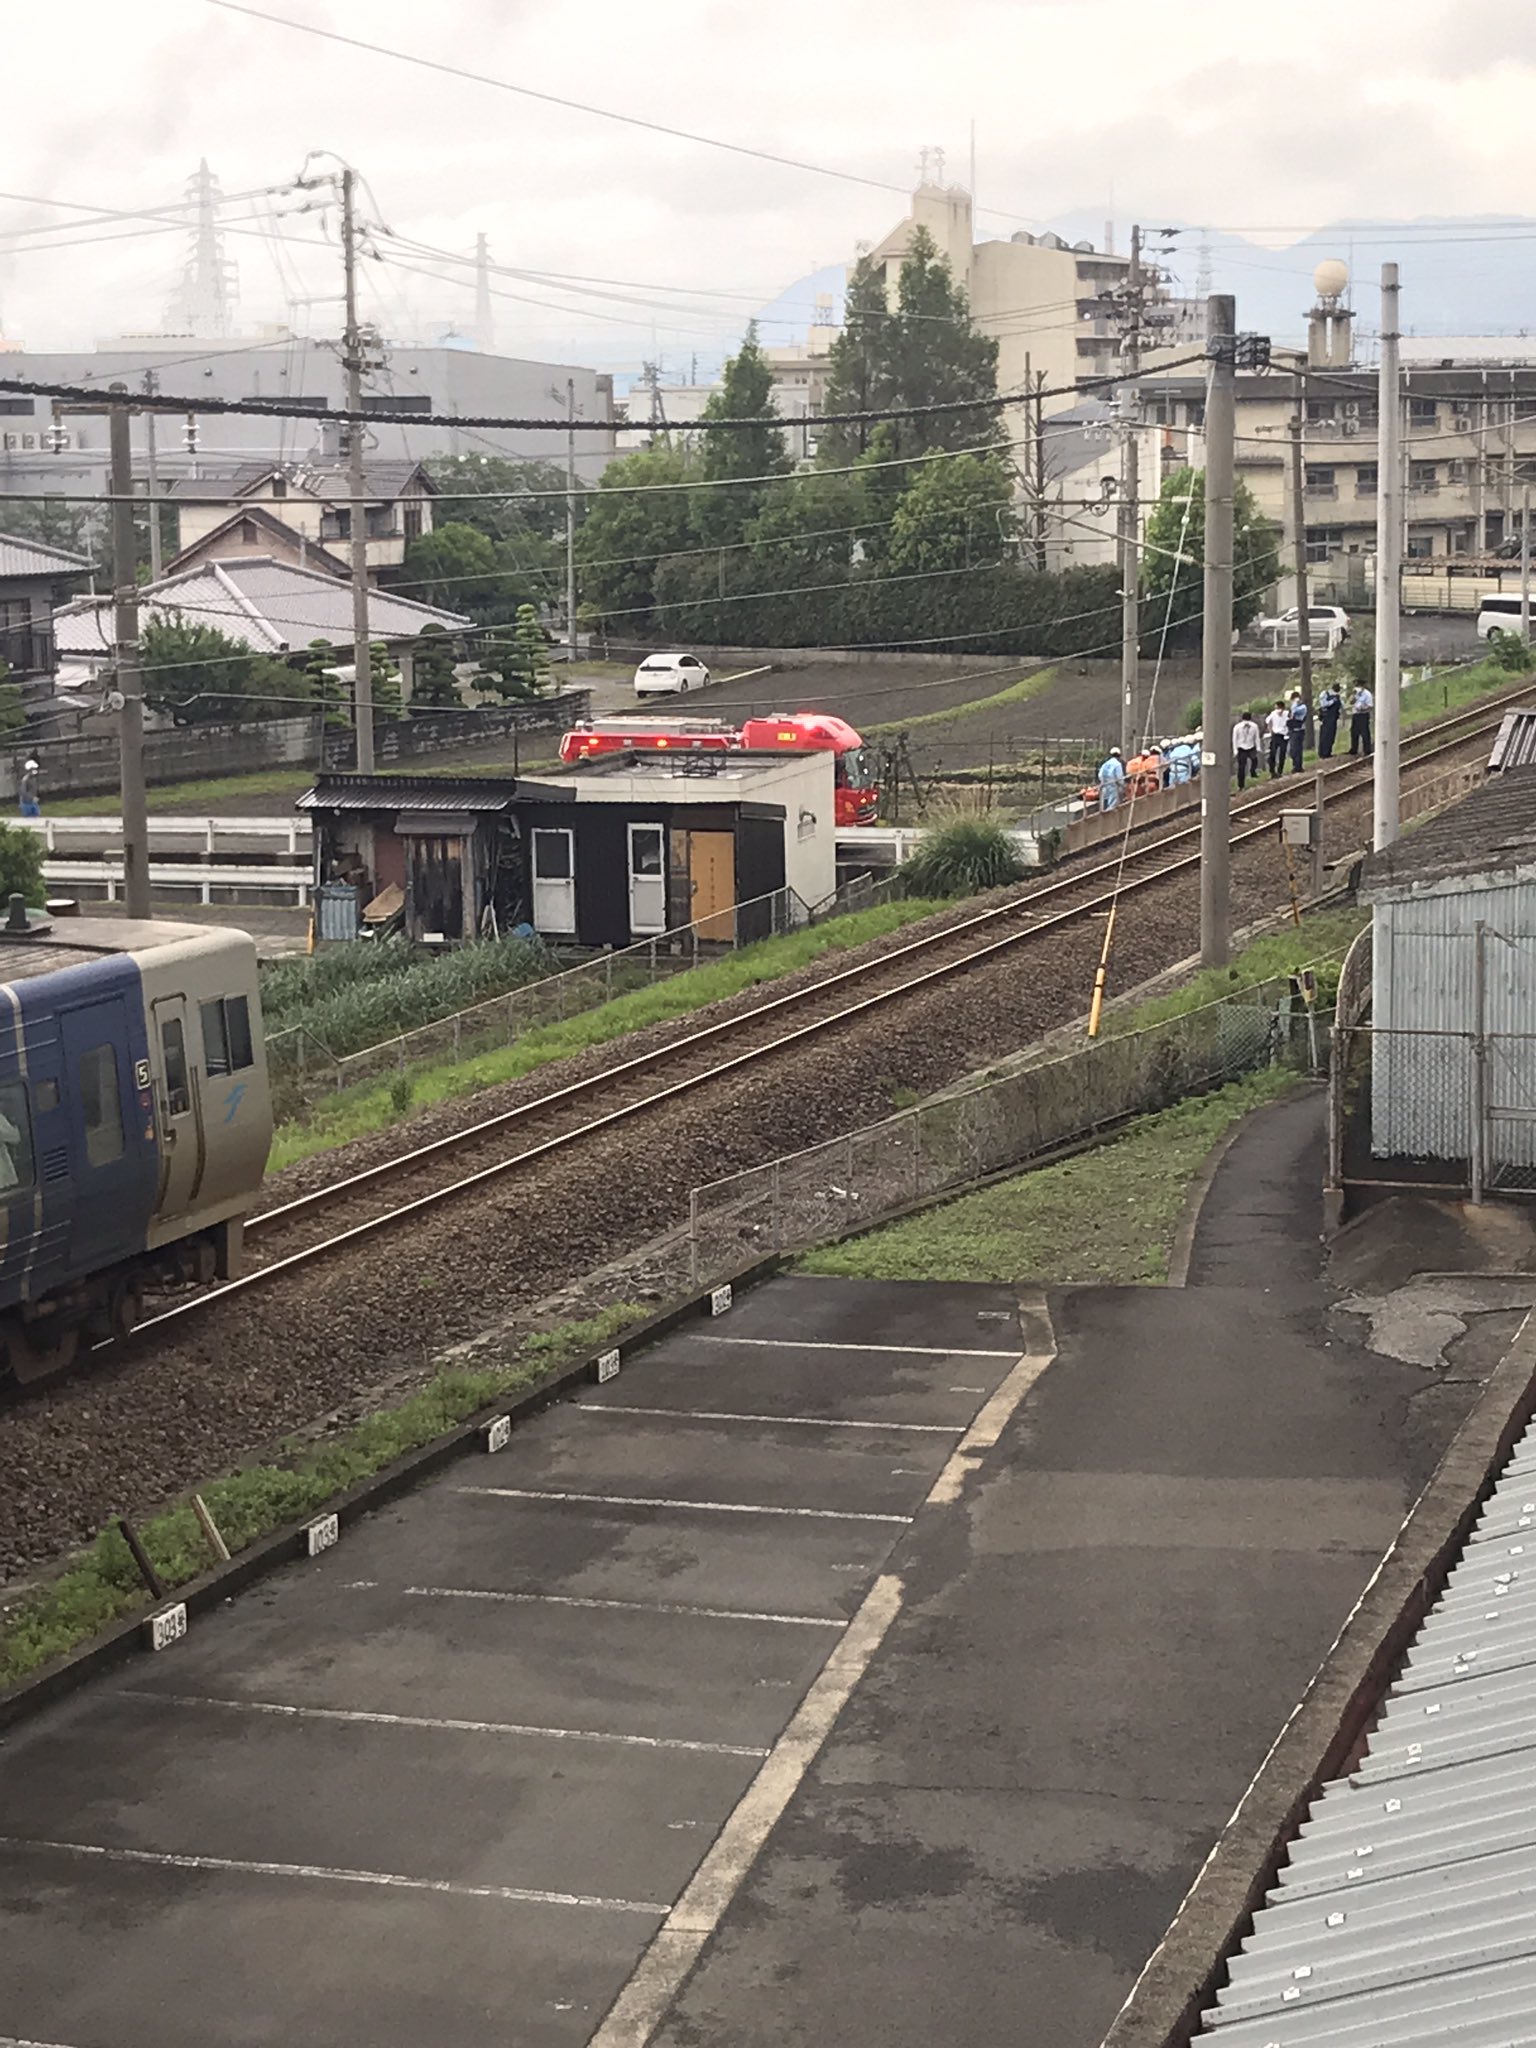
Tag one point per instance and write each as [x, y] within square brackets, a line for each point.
[374, 1106]
[1107, 1217]
[1449, 691]
[1014, 693]
[103, 1584]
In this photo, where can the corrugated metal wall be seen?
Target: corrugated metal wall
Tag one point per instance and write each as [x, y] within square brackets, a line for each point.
[1425, 1014]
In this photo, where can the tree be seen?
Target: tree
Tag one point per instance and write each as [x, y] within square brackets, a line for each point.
[921, 351]
[434, 686]
[458, 568]
[80, 529]
[203, 677]
[532, 651]
[13, 710]
[1173, 560]
[323, 686]
[721, 514]
[495, 495]
[21, 864]
[858, 365]
[383, 681]
[955, 516]
[636, 517]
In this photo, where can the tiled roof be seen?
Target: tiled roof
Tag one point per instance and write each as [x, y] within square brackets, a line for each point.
[273, 607]
[32, 558]
[1492, 829]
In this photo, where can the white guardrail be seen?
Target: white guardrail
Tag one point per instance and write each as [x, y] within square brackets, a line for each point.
[106, 876]
[202, 835]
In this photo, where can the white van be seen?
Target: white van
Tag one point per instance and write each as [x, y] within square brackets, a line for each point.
[1501, 614]
[668, 675]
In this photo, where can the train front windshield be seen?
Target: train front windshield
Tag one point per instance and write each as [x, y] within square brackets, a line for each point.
[856, 769]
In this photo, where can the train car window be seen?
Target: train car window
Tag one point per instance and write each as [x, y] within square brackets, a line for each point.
[227, 1035]
[237, 1024]
[178, 1084]
[102, 1105]
[15, 1139]
[47, 1094]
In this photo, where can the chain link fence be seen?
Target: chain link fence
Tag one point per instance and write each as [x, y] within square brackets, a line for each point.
[856, 1180]
[304, 1068]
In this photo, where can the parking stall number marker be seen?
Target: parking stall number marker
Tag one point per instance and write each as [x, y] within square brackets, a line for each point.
[720, 1300]
[322, 1534]
[168, 1626]
[498, 1434]
[607, 1367]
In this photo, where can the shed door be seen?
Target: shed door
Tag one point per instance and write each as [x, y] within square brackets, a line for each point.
[437, 889]
[647, 880]
[554, 880]
[712, 873]
[178, 1107]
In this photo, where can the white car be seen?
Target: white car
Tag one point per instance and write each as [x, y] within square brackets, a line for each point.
[1331, 616]
[668, 675]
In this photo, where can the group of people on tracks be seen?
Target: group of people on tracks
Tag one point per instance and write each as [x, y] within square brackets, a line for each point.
[1281, 737]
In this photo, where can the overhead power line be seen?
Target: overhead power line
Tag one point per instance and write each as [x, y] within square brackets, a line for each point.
[262, 408]
[552, 99]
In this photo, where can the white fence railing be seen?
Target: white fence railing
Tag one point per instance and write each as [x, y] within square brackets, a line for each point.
[106, 876]
[201, 835]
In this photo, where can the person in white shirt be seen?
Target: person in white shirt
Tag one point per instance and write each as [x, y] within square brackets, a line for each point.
[1277, 724]
[1360, 721]
[1245, 748]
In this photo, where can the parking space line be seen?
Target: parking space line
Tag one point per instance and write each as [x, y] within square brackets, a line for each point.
[738, 1415]
[988, 1427]
[15, 2041]
[887, 1350]
[698, 1507]
[240, 1866]
[621, 1606]
[364, 1717]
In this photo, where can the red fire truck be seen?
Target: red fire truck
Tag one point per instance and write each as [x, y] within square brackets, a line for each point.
[858, 781]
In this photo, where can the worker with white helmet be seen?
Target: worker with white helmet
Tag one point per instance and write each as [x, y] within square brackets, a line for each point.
[1111, 780]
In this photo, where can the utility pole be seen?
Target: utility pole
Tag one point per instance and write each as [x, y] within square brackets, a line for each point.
[1299, 515]
[1130, 510]
[1216, 635]
[125, 655]
[570, 519]
[352, 356]
[1389, 566]
[1525, 562]
[152, 480]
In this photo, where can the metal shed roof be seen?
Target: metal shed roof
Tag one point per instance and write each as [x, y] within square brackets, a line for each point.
[1406, 1916]
[1488, 831]
[445, 793]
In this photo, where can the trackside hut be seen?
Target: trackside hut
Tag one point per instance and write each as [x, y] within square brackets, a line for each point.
[1453, 1042]
[650, 842]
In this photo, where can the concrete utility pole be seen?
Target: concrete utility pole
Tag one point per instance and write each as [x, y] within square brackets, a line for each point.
[152, 480]
[570, 519]
[125, 655]
[352, 357]
[1130, 511]
[1525, 562]
[1389, 565]
[1216, 635]
[1299, 514]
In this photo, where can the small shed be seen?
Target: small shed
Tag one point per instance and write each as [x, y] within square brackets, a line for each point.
[439, 852]
[1453, 1032]
[638, 844]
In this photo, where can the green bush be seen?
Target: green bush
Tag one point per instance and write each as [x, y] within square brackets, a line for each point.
[962, 858]
[358, 995]
[1509, 651]
[21, 865]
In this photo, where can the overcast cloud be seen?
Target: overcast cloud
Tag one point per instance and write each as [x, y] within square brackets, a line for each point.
[1269, 124]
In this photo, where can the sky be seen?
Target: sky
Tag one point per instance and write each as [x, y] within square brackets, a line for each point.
[1195, 111]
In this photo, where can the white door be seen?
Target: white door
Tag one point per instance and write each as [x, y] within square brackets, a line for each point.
[647, 879]
[554, 880]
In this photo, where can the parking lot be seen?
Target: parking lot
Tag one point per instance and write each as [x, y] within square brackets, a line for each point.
[446, 1783]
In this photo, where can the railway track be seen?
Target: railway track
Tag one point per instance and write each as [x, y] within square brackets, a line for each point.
[394, 1192]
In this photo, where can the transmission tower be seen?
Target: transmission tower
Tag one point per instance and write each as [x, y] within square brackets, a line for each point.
[485, 319]
[204, 301]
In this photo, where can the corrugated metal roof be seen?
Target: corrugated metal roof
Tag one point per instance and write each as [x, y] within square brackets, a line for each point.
[31, 558]
[1406, 1915]
[1515, 746]
[1491, 830]
[408, 793]
[271, 606]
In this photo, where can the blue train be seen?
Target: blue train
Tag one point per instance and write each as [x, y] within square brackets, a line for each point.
[135, 1119]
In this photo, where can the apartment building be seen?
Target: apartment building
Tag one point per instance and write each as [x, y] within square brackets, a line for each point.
[1469, 447]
